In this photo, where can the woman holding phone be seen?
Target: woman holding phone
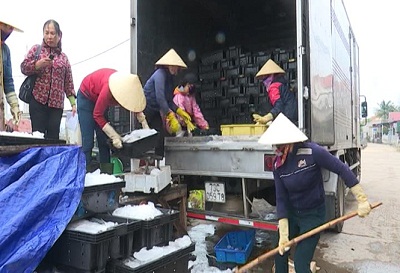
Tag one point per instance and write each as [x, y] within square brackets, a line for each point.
[53, 84]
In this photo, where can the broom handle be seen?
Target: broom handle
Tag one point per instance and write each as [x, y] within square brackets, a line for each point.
[299, 238]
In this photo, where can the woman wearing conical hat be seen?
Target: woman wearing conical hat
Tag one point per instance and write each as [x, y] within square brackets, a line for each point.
[6, 29]
[160, 108]
[299, 188]
[281, 98]
[98, 91]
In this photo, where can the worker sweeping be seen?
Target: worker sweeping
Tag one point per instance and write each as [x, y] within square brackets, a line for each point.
[300, 195]
[282, 99]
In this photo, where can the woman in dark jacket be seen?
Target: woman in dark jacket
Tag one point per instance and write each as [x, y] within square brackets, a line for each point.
[300, 195]
[160, 107]
[281, 98]
[8, 81]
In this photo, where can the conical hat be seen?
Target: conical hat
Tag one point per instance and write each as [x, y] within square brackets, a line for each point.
[282, 131]
[171, 58]
[6, 20]
[270, 67]
[127, 91]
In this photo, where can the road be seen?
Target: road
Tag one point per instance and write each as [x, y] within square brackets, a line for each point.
[369, 245]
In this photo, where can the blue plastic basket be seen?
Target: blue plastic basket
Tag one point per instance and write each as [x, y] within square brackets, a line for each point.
[235, 246]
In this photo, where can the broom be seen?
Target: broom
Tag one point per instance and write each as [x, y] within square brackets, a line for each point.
[299, 238]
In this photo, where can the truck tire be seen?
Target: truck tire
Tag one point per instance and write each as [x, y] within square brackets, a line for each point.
[339, 205]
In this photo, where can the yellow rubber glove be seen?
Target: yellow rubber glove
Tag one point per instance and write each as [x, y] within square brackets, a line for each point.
[364, 207]
[283, 235]
[262, 119]
[12, 100]
[184, 115]
[115, 137]
[173, 123]
[190, 126]
[142, 119]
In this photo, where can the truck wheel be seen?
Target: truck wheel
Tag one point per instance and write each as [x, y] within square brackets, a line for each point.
[339, 205]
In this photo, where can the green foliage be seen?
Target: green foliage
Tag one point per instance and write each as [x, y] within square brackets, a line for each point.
[384, 108]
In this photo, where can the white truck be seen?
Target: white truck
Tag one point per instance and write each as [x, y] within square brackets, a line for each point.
[226, 42]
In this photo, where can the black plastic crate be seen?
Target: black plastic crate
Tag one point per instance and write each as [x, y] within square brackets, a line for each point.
[119, 115]
[234, 52]
[243, 118]
[225, 102]
[234, 91]
[210, 103]
[121, 246]
[203, 68]
[210, 76]
[261, 58]
[242, 99]
[210, 85]
[138, 148]
[234, 72]
[157, 231]
[254, 89]
[245, 59]
[84, 252]
[171, 263]
[213, 57]
[251, 70]
[210, 94]
[98, 199]
[228, 63]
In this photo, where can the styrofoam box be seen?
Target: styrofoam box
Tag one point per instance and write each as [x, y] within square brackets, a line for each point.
[148, 183]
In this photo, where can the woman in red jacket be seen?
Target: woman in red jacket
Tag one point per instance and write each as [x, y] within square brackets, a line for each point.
[99, 90]
[53, 83]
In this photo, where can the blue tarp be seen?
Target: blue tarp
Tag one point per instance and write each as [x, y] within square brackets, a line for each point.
[40, 190]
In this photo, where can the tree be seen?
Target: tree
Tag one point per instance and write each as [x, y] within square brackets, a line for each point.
[384, 109]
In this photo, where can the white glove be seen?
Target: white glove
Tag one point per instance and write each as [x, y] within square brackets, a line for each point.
[12, 100]
[283, 235]
[364, 208]
[115, 137]
[142, 119]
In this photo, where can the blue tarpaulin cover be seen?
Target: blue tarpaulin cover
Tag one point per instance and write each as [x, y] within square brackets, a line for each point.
[40, 190]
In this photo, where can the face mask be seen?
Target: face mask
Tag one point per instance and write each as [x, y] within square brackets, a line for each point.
[267, 81]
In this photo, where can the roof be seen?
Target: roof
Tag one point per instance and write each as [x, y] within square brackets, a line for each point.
[394, 116]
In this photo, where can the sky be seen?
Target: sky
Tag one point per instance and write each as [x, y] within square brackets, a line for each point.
[96, 34]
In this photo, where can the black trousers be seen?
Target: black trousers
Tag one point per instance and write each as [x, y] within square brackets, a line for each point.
[45, 119]
[300, 223]
[156, 122]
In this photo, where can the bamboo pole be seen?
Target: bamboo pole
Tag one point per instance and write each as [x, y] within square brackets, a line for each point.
[299, 238]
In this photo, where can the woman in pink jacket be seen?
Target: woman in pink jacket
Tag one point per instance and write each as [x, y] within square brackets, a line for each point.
[184, 97]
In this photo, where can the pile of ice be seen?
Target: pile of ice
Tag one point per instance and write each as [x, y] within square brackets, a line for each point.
[92, 226]
[145, 256]
[138, 134]
[140, 212]
[96, 178]
[35, 134]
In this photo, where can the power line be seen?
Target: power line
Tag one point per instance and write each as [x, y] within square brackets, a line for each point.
[105, 51]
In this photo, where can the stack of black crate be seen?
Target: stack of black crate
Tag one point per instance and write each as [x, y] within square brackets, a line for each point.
[230, 94]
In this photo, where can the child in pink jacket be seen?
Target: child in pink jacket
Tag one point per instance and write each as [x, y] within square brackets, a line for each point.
[184, 97]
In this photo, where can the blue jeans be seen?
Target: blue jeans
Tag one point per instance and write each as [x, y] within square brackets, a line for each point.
[300, 223]
[88, 127]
